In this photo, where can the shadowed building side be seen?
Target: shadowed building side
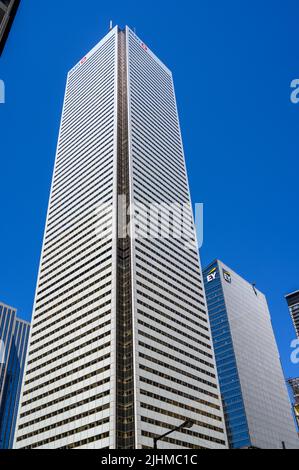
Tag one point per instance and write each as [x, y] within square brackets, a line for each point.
[8, 11]
[293, 303]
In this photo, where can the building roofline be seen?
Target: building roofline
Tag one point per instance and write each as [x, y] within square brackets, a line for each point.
[296, 292]
[25, 322]
[154, 56]
[12, 11]
[218, 261]
[7, 305]
[94, 49]
[15, 310]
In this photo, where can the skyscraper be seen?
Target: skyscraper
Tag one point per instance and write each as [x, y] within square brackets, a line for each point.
[14, 334]
[8, 10]
[120, 349]
[254, 393]
[293, 303]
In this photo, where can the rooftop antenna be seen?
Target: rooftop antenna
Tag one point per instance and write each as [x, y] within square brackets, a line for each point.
[254, 288]
[111, 25]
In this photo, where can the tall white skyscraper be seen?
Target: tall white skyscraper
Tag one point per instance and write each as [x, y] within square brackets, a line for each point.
[120, 348]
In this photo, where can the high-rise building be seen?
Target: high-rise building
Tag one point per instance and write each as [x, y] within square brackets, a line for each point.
[293, 303]
[14, 335]
[8, 10]
[254, 393]
[120, 350]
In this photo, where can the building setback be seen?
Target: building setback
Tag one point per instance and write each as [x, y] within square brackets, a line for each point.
[14, 334]
[120, 349]
[254, 393]
[293, 303]
[8, 10]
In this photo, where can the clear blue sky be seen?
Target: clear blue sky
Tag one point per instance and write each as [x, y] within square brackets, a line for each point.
[233, 63]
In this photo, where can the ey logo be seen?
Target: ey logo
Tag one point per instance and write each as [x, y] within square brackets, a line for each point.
[212, 275]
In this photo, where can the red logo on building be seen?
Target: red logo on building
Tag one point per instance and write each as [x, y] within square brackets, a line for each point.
[144, 46]
[83, 60]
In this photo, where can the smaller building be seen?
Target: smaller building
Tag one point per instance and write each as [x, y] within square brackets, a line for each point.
[293, 303]
[255, 398]
[14, 336]
[294, 384]
[8, 10]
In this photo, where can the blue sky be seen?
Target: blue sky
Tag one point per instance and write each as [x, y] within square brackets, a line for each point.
[233, 63]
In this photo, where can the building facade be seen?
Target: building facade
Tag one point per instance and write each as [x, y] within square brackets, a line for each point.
[294, 385]
[120, 349]
[293, 303]
[254, 393]
[14, 335]
[8, 10]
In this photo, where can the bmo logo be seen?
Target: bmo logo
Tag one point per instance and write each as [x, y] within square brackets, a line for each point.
[227, 276]
[212, 275]
[82, 61]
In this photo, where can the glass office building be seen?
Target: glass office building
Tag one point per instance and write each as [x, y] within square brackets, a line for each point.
[293, 303]
[236, 421]
[121, 348]
[254, 394]
[14, 335]
[8, 10]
